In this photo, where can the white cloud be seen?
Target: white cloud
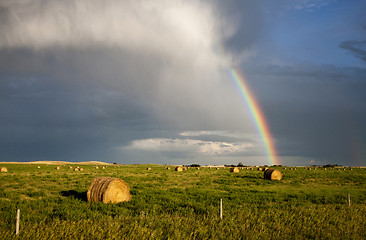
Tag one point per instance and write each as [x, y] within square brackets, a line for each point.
[221, 133]
[309, 5]
[188, 146]
[127, 24]
[197, 133]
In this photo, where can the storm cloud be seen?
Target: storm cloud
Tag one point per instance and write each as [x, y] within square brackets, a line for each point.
[148, 81]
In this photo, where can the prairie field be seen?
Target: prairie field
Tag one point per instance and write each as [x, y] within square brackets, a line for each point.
[305, 204]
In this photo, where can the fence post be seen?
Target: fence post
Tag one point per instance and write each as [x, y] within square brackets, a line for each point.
[17, 224]
[220, 208]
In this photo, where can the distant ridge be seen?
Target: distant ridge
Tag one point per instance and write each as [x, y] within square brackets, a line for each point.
[61, 163]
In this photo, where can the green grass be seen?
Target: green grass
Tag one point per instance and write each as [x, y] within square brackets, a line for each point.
[183, 205]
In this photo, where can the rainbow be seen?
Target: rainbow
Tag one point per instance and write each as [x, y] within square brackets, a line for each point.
[256, 113]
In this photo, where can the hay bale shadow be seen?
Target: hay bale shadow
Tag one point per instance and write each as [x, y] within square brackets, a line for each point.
[75, 194]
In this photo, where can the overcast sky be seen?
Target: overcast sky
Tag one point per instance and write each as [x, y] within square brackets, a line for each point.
[148, 81]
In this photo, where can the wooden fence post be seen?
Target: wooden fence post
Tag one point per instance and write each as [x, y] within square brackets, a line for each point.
[220, 208]
[17, 224]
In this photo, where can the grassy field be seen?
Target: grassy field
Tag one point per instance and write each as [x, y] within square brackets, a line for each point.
[183, 205]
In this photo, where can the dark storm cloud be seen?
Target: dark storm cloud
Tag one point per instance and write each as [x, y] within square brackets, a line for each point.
[147, 81]
[79, 81]
[244, 25]
[314, 111]
[356, 47]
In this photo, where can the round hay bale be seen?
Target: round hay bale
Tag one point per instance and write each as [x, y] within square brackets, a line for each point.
[234, 169]
[149, 168]
[58, 168]
[81, 169]
[178, 169]
[3, 169]
[168, 168]
[70, 167]
[264, 169]
[108, 190]
[96, 167]
[259, 169]
[77, 169]
[272, 174]
[38, 167]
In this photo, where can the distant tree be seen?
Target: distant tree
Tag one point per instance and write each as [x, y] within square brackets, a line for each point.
[240, 164]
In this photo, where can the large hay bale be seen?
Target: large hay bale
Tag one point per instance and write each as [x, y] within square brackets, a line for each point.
[234, 169]
[179, 169]
[3, 169]
[272, 174]
[108, 190]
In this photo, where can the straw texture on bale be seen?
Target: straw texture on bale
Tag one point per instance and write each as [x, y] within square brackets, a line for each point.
[234, 169]
[108, 190]
[272, 174]
[178, 169]
[3, 169]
